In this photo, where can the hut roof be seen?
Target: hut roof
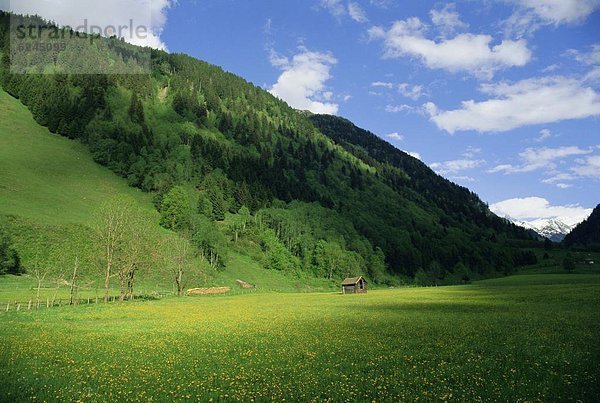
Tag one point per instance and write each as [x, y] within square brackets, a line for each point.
[353, 280]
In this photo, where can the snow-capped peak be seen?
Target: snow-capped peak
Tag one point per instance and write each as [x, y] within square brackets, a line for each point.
[553, 228]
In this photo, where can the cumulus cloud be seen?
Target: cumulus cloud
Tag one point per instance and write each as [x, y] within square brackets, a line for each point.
[335, 7]
[454, 166]
[560, 11]
[447, 20]
[545, 134]
[302, 82]
[398, 108]
[538, 208]
[413, 92]
[471, 152]
[382, 3]
[151, 14]
[589, 58]
[474, 54]
[382, 84]
[356, 12]
[527, 102]
[533, 159]
[338, 9]
[588, 167]
[530, 15]
[413, 154]
[559, 180]
[395, 136]
[468, 179]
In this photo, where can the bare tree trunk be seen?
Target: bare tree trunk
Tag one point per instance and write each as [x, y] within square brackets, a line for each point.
[38, 288]
[73, 279]
[107, 281]
[39, 277]
[178, 282]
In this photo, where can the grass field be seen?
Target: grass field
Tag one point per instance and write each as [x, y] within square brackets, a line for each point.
[523, 338]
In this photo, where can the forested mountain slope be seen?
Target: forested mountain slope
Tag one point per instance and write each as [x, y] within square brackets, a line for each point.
[586, 233]
[412, 177]
[207, 143]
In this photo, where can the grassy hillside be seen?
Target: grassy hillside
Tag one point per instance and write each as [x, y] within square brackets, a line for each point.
[531, 338]
[48, 178]
[50, 194]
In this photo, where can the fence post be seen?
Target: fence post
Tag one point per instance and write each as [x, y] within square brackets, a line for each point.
[88, 300]
[47, 302]
[29, 305]
[18, 307]
[7, 306]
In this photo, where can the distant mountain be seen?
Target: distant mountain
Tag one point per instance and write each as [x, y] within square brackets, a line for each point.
[586, 233]
[553, 229]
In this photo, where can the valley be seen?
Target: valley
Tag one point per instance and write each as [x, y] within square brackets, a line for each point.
[122, 192]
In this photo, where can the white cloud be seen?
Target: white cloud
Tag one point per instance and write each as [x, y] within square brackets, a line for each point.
[468, 179]
[382, 84]
[395, 136]
[382, 3]
[551, 68]
[356, 12]
[589, 58]
[560, 11]
[150, 14]
[335, 7]
[537, 208]
[447, 20]
[471, 152]
[338, 10]
[545, 134]
[527, 102]
[413, 92]
[474, 54]
[413, 154]
[398, 108]
[302, 83]
[559, 180]
[454, 166]
[534, 159]
[588, 167]
[530, 15]
[561, 177]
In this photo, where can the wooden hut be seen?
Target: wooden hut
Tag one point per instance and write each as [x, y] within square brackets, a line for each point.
[354, 285]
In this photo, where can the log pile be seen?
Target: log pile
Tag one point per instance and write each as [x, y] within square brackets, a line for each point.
[243, 284]
[208, 291]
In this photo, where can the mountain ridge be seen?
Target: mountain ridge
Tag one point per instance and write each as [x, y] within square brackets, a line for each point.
[234, 145]
[587, 233]
[554, 229]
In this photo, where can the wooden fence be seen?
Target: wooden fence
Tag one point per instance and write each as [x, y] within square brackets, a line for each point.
[36, 304]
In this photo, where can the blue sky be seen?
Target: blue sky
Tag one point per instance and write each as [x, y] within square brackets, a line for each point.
[501, 96]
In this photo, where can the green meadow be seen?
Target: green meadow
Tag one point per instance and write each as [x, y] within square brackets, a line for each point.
[523, 338]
